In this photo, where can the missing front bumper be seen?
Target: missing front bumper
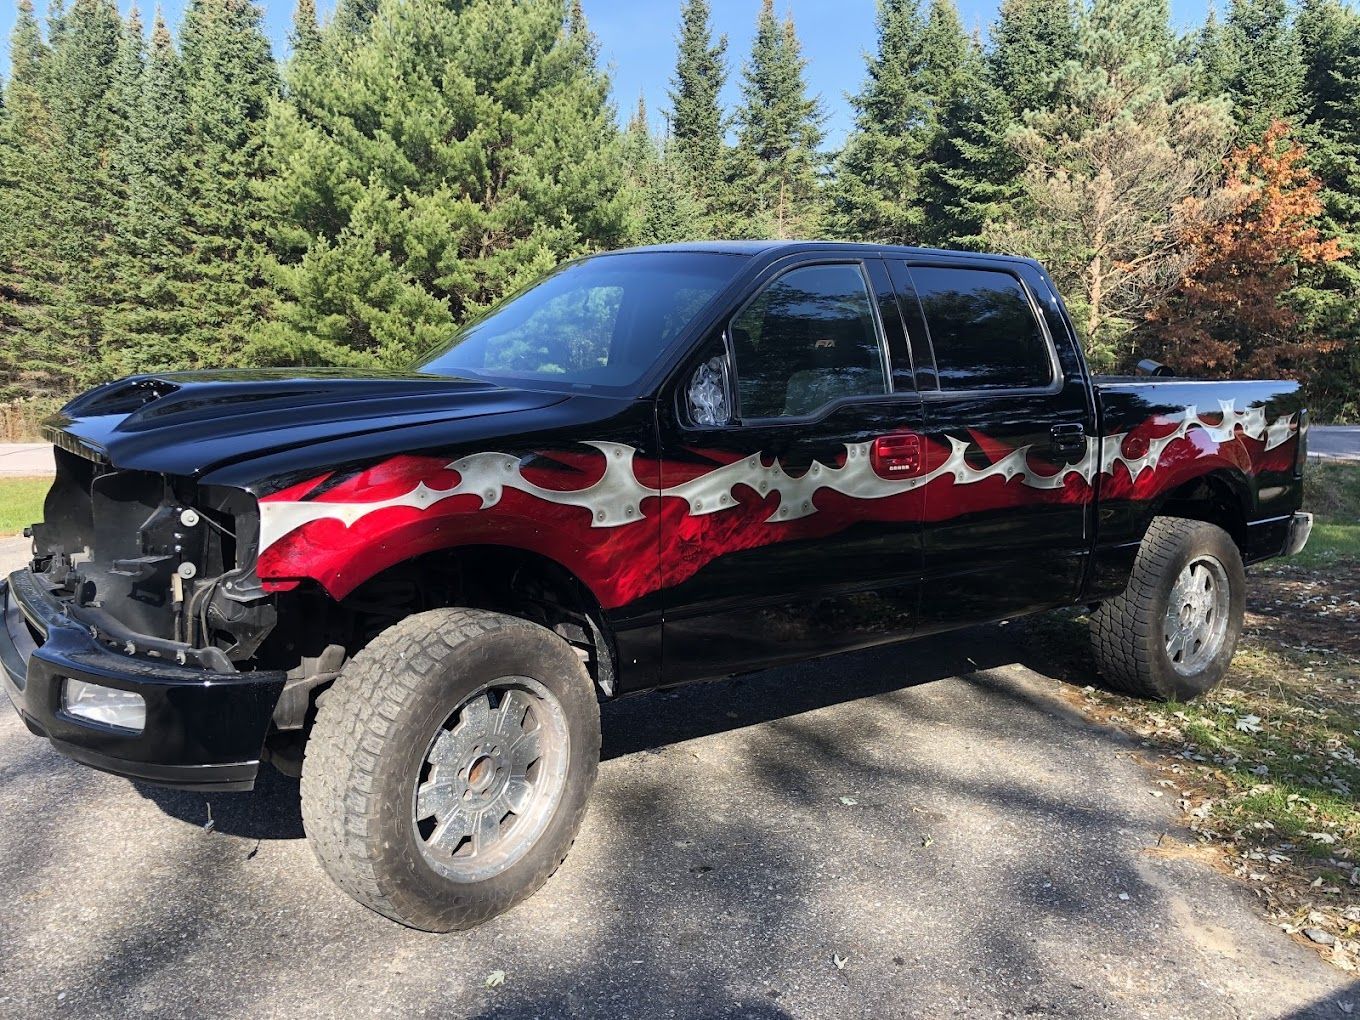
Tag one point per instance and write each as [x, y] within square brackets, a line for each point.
[204, 729]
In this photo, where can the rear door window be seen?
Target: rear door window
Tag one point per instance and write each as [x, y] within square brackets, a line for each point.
[982, 329]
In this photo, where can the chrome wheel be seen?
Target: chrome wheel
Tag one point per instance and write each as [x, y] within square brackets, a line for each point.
[1197, 615]
[491, 779]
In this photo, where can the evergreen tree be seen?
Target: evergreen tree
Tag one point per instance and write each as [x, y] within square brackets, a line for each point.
[1329, 294]
[1032, 41]
[24, 175]
[157, 318]
[696, 122]
[667, 207]
[230, 80]
[1213, 57]
[1265, 78]
[779, 131]
[448, 154]
[973, 174]
[66, 200]
[123, 98]
[899, 132]
[1122, 157]
[352, 17]
[305, 36]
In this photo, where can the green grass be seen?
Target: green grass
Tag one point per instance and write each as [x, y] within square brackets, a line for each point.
[21, 503]
[1332, 492]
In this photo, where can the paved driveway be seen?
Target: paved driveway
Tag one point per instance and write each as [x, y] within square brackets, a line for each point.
[934, 816]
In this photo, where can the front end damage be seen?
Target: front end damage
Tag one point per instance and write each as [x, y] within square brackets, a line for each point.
[130, 639]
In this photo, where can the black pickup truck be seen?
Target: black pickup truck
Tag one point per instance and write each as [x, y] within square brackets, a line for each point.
[651, 467]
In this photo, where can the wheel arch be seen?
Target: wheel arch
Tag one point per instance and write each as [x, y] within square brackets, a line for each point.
[519, 582]
[1222, 497]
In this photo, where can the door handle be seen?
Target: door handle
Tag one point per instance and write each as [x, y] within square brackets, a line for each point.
[1068, 438]
[897, 455]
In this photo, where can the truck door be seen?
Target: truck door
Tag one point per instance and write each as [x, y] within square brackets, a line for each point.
[1007, 424]
[781, 538]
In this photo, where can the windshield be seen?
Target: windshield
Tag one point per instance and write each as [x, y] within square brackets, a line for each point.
[598, 323]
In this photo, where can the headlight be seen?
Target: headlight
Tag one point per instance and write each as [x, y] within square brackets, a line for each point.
[108, 706]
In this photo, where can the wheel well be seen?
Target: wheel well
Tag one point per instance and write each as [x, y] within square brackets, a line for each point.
[497, 578]
[1213, 499]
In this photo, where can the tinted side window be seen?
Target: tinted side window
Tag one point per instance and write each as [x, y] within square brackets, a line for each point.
[982, 329]
[806, 340]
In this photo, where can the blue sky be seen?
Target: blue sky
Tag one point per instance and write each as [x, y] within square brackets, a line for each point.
[637, 40]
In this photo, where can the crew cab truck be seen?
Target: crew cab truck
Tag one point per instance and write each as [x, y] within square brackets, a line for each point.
[653, 466]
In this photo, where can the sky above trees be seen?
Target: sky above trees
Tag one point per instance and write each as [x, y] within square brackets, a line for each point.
[637, 39]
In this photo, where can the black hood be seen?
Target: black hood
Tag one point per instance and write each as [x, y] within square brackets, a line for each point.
[187, 423]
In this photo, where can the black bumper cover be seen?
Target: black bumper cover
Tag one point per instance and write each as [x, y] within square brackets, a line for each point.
[204, 730]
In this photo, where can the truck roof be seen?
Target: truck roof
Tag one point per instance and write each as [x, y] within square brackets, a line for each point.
[774, 248]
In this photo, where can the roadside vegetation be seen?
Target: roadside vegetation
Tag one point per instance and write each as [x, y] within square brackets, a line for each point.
[1265, 772]
[21, 501]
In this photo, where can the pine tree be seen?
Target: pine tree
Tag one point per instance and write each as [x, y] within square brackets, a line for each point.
[230, 80]
[779, 131]
[1329, 294]
[1265, 66]
[445, 156]
[305, 36]
[67, 197]
[696, 120]
[1112, 168]
[913, 80]
[352, 17]
[667, 207]
[1213, 57]
[24, 176]
[973, 175]
[158, 317]
[1032, 41]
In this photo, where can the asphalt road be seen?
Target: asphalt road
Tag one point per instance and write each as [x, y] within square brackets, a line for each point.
[1334, 442]
[935, 816]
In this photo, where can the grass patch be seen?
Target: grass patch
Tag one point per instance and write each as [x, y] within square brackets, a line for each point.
[1332, 492]
[21, 503]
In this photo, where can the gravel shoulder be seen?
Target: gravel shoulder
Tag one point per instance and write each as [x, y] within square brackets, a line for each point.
[936, 816]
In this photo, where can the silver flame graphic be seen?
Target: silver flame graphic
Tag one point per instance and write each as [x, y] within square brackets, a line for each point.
[616, 499]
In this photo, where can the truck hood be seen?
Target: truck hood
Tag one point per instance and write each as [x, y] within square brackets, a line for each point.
[188, 423]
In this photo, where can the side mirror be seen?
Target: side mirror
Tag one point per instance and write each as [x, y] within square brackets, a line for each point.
[1152, 368]
[707, 395]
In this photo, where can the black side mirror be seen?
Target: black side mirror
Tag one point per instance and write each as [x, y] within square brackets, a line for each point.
[1149, 367]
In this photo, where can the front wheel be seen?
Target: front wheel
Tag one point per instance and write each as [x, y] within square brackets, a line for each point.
[1172, 633]
[449, 767]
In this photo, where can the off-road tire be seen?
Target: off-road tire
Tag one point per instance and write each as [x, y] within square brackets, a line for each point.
[365, 754]
[1128, 633]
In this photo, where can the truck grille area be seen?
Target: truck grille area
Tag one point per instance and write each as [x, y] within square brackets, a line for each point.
[147, 555]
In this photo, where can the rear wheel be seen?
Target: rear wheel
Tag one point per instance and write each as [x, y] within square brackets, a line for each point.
[1172, 633]
[450, 765]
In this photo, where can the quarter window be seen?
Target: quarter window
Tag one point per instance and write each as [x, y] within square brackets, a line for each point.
[809, 338]
[982, 329]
